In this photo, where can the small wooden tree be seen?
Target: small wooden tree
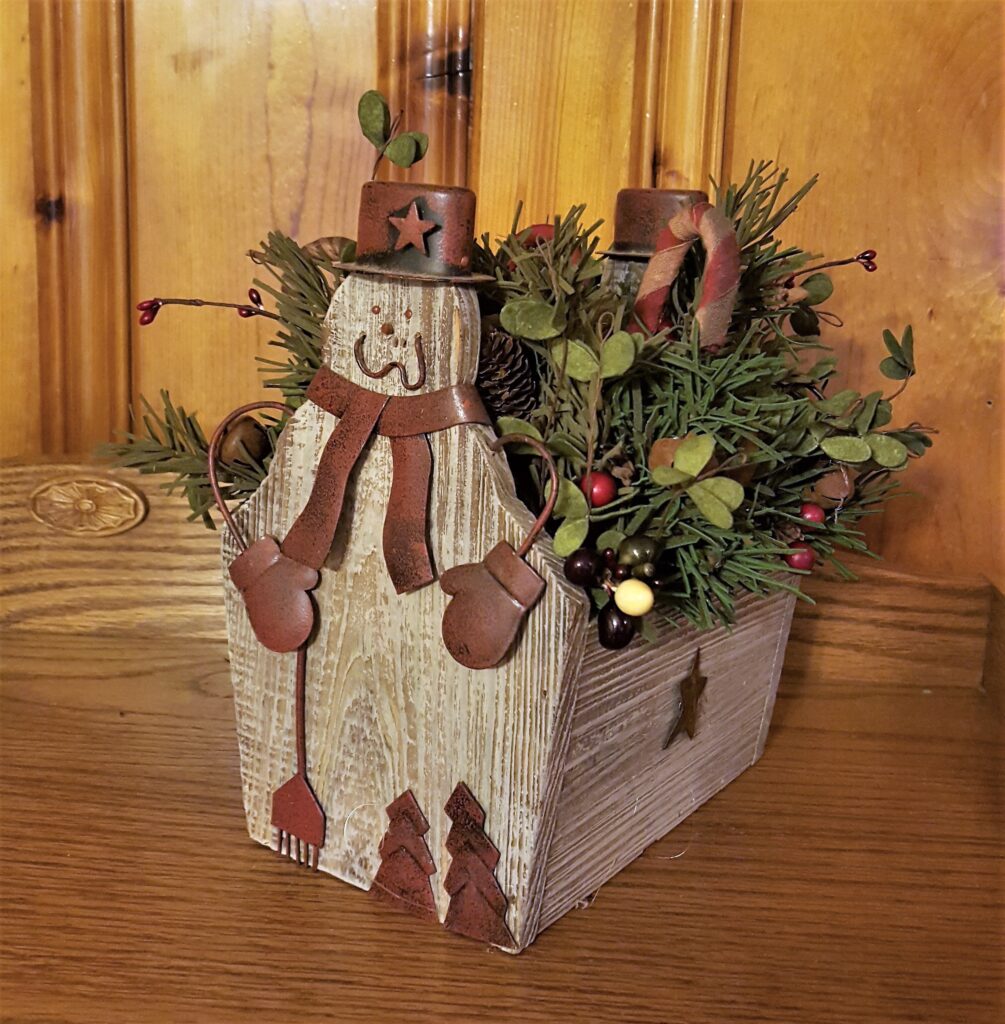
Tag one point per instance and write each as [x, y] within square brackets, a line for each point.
[405, 862]
[477, 903]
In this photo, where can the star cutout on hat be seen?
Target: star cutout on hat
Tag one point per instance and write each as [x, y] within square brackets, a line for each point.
[691, 688]
[412, 229]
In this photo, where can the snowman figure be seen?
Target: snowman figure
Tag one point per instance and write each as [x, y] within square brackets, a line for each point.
[404, 663]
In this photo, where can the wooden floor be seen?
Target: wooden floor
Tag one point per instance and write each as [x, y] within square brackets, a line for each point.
[853, 875]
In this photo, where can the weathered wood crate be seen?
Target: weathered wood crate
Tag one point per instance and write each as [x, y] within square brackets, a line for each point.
[562, 744]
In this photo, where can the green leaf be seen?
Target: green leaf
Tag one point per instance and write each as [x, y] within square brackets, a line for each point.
[617, 355]
[726, 489]
[531, 318]
[894, 369]
[515, 425]
[569, 536]
[571, 502]
[846, 449]
[907, 347]
[565, 445]
[580, 362]
[374, 117]
[668, 476]
[839, 403]
[600, 596]
[402, 150]
[863, 421]
[710, 505]
[647, 629]
[610, 539]
[819, 287]
[693, 454]
[893, 346]
[804, 321]
[884, 413]
[421, 143]
[887, 451]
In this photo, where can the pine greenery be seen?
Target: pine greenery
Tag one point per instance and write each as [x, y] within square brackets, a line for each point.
[171, 441]
[755, 415]
[758, 430]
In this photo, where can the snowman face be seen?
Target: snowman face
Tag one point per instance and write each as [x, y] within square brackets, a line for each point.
[402, 356]
[401, 337]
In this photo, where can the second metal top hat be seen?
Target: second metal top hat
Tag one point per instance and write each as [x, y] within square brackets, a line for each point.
[641, 214]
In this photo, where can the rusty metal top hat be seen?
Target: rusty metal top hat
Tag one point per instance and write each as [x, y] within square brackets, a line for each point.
[641, 214]
[416, 232]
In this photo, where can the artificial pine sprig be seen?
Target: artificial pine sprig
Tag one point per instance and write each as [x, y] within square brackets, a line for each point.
[713, 460]
[172, 442]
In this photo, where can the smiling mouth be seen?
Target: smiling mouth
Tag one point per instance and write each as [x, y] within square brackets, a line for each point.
[395, 364]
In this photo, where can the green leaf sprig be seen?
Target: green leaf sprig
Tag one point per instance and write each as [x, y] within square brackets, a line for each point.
[402, 148]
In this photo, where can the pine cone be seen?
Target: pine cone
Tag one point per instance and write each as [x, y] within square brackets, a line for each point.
[507, 376]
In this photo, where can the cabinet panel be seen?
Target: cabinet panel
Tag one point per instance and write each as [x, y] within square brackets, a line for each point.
[242, 119]
[898, 106]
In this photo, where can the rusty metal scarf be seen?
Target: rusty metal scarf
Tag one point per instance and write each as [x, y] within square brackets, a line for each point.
[406, 421]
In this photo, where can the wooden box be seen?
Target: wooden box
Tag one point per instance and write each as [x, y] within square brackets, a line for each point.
[562, 745]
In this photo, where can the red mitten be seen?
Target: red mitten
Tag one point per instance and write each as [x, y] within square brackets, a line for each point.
[276, 594]
[488, 602]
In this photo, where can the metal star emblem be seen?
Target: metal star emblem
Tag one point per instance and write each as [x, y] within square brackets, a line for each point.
[412, 229]
[691, 688]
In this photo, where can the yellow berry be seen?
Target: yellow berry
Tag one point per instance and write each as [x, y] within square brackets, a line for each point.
[634, 597]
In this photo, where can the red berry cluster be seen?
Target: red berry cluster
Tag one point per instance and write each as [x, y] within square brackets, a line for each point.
[867, 259]
[803, 556]
[149, 308]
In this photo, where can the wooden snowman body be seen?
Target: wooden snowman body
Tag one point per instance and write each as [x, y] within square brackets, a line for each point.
[388, 710]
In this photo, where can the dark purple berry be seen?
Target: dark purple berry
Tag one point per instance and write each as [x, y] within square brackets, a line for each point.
[582, 567]
[614, 629]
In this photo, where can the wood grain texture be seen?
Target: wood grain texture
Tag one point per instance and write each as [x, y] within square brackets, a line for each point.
[559, 111]
[854, 872]
[19, 352]
[65, 353]
[160, 577]
[622, 791]
[692, 76]
[424, 70]
[899, 107]
[242, 119]
[388, 709]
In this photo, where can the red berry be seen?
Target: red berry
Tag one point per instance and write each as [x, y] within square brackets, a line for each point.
[148, 304]
[147, 316]
[802, 558]
[246, 311]
[538, 233]
[870, 267]
[255, 295]
[867, 256]
[812, 513]
[600, 488]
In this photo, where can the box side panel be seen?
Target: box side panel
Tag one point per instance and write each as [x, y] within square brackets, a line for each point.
[622, 790]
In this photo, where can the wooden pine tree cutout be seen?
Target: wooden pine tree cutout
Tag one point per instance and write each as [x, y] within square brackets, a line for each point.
[477, 903]
[405, 862]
